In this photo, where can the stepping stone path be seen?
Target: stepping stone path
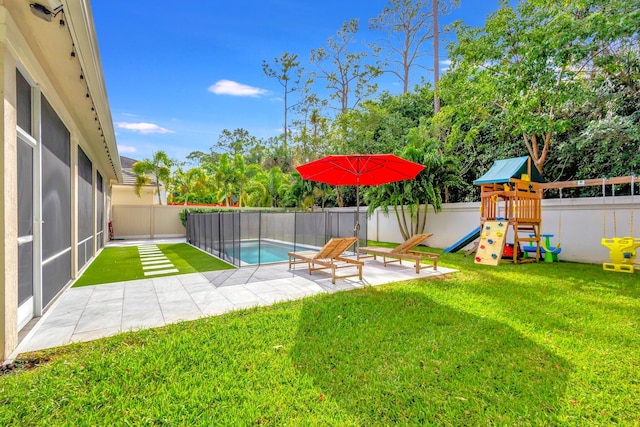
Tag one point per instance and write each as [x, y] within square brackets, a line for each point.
[154, 262]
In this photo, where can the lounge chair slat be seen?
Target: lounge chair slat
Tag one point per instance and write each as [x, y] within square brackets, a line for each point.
[403, 251]
[326, 257]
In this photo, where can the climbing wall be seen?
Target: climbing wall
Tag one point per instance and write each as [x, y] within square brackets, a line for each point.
[491, 244]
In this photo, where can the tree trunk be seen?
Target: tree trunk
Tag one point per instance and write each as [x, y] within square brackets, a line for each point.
[158, 189]
[436, 59]
[401, 221]
[533, 147]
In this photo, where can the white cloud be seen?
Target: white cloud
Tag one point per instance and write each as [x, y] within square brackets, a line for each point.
[445, 65]
[143, 128]
[229, 87]
[126, 149]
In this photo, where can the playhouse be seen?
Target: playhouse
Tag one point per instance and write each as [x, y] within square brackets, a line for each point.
[510, 205]
[511, 194]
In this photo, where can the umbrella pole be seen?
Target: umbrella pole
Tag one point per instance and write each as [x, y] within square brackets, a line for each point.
[356, 229]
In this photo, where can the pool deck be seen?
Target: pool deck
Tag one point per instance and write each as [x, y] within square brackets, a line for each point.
[92, 312]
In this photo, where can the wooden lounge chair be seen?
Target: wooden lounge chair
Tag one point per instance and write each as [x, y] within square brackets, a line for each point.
[329, 257]
[402, 251]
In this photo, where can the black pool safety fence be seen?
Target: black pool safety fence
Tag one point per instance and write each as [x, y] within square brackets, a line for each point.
[224, 234]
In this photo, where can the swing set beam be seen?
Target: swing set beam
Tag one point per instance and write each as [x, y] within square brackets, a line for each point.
[589, 182]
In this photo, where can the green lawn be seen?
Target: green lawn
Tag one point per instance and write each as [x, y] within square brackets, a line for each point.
[533, 344]
[118, 264]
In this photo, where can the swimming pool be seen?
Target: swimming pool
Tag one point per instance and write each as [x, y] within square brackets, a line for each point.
[266, 251]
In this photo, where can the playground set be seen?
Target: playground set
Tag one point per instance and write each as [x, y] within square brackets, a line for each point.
[511, 194]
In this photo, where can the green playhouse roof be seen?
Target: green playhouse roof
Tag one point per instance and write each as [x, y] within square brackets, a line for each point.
[503, 170]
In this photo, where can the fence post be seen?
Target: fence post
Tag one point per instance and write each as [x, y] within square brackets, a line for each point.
[151, 221]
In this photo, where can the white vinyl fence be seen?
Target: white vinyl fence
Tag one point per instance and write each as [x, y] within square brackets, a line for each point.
[578, 224]
[146, 222]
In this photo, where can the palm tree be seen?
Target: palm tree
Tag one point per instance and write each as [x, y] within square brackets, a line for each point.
[275, 179]
[192, 183]
[158, 168]
[225, 179]
[406, 197]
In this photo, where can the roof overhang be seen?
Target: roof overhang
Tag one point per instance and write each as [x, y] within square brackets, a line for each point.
[68, 54]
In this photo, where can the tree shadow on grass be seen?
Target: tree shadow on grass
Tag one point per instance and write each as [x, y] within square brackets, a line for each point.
[396, 357]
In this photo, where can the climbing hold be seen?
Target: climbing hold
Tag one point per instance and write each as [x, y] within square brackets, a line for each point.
[478, 259]
[500, 224]
[487, 228]
[481, 246]
[499, 234]
[490, 241]
[494, 256]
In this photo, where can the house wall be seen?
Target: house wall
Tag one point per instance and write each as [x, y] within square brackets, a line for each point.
[578, 224]
[41, 51]
[8, 198]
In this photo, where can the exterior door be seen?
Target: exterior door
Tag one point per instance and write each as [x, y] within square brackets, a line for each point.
[26, 252]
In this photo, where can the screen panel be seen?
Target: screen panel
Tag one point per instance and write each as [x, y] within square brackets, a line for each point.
[56, 202]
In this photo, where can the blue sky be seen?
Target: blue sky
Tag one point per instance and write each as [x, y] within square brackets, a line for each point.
[178, 73]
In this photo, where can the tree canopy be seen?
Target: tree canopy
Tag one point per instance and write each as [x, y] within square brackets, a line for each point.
[555, 80]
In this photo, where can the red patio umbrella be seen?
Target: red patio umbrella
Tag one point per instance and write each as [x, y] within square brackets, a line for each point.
[359, 169]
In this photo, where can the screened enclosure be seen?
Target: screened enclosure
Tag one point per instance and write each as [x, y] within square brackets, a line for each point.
[242, 238]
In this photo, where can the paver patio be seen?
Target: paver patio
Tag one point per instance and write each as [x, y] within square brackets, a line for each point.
[91, 312]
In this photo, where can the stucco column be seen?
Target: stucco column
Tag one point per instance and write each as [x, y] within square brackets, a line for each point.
[8, 199]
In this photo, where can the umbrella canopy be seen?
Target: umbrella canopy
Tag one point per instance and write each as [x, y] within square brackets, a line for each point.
[360, 169]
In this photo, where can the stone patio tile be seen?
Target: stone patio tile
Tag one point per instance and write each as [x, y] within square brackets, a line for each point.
[207, 296]
[97, 321]
[239, 294]
[139, 305]
[214, 308]
[180, 310]
[60, 318]
[149, 319]
[47, 337]
[262, 286]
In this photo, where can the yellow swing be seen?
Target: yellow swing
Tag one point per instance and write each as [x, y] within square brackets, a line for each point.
[622, 250]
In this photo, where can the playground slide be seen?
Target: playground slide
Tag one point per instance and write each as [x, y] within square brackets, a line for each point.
[464, 241]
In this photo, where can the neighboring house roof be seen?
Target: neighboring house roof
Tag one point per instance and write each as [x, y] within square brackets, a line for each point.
[503, 170]
[128, 177]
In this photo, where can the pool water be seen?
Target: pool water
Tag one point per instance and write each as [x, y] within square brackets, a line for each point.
[254, 252]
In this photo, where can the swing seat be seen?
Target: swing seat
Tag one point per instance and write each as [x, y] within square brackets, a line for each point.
[622, 251]
[554, 251]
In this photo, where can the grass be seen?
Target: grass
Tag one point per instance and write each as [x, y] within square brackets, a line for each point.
[123, 264]
[534, 344]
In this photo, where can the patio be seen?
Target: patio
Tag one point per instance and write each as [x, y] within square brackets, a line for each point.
[91, 312]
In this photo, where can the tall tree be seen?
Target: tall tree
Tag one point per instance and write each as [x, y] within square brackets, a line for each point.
[238, 141]
[534, 63]
[436, 53]
[157, 169]
[348, 77]
[287, 71]
[409, 25]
